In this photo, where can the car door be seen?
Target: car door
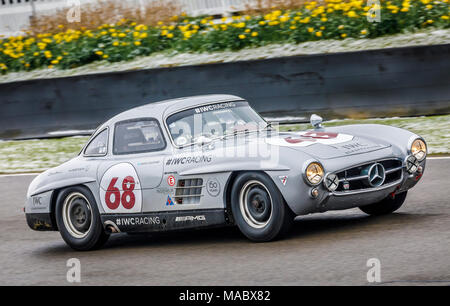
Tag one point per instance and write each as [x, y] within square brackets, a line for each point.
[135, 166]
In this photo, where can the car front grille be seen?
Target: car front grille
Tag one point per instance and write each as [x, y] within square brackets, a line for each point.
[189, 191]
[355, 178]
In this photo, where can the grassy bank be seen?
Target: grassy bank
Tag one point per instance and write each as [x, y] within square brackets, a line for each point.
[39, 155]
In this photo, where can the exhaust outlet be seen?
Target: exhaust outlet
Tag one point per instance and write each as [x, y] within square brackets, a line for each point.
[111, 227]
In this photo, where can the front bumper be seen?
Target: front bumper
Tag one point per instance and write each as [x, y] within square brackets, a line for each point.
[302, 202]
[40, 222]
[38, 212]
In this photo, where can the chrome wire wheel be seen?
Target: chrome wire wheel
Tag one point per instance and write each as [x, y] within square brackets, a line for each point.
[77, 215]
[255, 203]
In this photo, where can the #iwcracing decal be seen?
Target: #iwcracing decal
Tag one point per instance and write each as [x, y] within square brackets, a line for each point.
[188, 160]
[213, 187]
[304, 139]
[213, 107]
[140, 220]
[120, 190]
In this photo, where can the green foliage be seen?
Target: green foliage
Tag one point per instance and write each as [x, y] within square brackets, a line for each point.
[125, 40]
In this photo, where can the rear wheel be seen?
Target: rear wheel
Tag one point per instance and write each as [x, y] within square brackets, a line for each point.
[258, 207]
[385, 206]
[78, 219]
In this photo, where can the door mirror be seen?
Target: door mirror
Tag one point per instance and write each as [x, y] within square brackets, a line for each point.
[316, 121]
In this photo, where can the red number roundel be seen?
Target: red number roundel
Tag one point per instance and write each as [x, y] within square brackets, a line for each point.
[127, 198]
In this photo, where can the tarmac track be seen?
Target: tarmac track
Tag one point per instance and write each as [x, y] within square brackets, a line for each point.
[413, 246]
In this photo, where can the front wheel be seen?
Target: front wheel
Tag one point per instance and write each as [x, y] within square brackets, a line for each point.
[78, 219]
[385, 206]
[258, 207]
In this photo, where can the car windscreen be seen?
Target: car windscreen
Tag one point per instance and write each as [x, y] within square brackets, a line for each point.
[138, 136]
[213, 120]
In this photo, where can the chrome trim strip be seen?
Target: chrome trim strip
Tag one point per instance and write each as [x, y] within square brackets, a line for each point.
[187, 196]
[370, 162]
[394, 169]
[365, 190]
[354, 178]
[189, 187]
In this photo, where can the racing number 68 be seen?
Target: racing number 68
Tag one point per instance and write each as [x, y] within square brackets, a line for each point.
[127, 198]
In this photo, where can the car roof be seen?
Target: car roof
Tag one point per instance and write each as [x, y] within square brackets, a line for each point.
[161, 109]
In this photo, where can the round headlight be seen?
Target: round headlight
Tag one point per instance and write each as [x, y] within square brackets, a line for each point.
[314, 173]
[419, 149]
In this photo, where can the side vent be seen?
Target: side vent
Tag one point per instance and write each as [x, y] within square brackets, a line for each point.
[188, 191]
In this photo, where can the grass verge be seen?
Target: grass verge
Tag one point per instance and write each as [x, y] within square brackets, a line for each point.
[39, 155]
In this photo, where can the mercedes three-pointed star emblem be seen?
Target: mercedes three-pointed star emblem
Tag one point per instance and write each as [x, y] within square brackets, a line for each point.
[376, 175]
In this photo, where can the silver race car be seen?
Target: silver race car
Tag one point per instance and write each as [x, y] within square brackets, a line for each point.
[211, 161]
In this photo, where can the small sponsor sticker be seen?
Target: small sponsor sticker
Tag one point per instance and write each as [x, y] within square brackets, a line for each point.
[283, 179]
[169, 201]
[213, 187]
[171, 180]
[346, 185]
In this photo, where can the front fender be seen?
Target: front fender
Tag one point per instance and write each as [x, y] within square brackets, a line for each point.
[399, 138]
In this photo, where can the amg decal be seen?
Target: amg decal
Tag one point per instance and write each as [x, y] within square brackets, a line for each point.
[190, 218]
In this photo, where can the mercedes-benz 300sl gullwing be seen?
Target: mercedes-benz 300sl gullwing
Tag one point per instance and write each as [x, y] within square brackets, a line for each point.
[210, 161]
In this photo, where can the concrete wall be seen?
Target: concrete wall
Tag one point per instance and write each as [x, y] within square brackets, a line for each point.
[390, 82]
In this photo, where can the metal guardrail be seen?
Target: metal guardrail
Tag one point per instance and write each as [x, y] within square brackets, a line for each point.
[409, 81]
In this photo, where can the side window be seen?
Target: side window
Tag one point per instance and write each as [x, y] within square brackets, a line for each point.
[98, 145]
[138, 136]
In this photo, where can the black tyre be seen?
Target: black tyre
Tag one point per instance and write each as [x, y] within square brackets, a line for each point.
[78, 219]
[386, 206]
[258, 207]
